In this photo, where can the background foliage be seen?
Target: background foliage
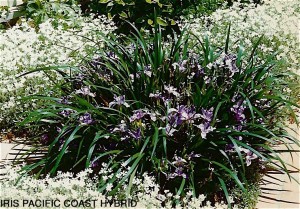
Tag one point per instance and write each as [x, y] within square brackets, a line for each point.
[168, 11]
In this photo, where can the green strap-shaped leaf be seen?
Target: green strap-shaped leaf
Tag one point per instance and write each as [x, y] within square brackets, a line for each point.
[223, 185]
[62, 152]
[230, 172]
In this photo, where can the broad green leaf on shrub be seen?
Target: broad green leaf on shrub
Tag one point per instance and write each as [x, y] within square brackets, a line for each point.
[124, 15]
[150, 22]
[104, 1]
[161, 21]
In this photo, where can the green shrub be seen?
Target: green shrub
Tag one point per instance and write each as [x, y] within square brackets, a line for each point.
[38, 11]
[41, 10]
[141, 12]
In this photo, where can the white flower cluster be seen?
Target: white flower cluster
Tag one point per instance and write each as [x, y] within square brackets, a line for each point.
[80, 186]
[150, 197]
[277, 20]
[24, 48]
[63, 186]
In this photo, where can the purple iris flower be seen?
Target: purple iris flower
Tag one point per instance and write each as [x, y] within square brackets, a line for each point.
[179, 161]
[170, 130]
[180, 164]
[207, 79]
[147, 70]
[85, 91]
[249, 157]
[86, 119]
[229, 148]
[181, 65]
[238, 127]
[44, 139]
[199, 72]
[183, 113]
[187, 113]
[138, 114]
[156, 95]
[171, 90]
[174, 118]
[136, 134]
[66, 113]
[180, 172]
[118, 100]
[120, 128]
[64, 100]
[230, 63]
[193, 155]
[239, 116]
[207, 115]
[95, 164]
[238, 110]
[58, 129]
[112, 55]
[205, 128]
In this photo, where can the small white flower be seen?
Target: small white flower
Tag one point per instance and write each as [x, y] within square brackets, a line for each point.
[109, 187]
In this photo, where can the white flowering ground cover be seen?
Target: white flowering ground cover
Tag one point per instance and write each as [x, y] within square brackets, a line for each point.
[276, 20]
[24, 48]
[67, 186]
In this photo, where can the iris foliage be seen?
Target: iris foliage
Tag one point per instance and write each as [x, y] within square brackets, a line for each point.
[192, 116]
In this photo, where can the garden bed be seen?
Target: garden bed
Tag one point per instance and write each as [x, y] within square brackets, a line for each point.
[179, 106]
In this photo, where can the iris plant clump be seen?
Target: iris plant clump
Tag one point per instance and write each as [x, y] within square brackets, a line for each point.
[194, 117]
